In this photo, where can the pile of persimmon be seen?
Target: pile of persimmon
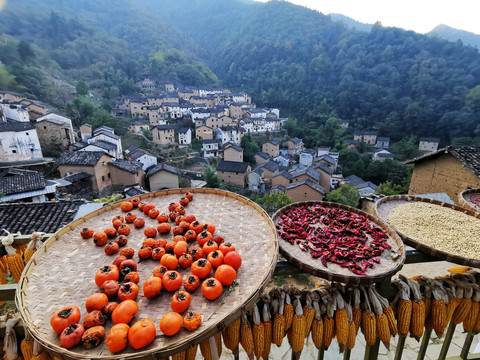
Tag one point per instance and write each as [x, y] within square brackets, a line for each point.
[194, 246]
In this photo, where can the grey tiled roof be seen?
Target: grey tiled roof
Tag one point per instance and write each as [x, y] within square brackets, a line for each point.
[14, 181]
[296, 140]
[46, 217]
[306, 170]
[130, 166]
[88, 158]
[103, 145]
[132, 148]
[307, 182]
[164, 127]
[354, 180]
[15, 126]
[270, 165]
[138, 153]
[233, 166]
[77, 176]
[469, 156]
[263, 155]
[183, 130]
[106, 133]
[285, 174]
[155, 169]
[323, 167]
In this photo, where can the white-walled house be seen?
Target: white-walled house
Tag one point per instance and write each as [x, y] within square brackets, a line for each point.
[17, 112]
[185, 136]
[231, 134]
[19, 142]
[143, 157]
[106, 134]
[210, 148]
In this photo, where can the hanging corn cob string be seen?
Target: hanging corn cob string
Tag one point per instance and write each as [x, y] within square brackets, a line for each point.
[417, 323]
[34, 244]
[26, 346]
[287, 309]
[465, 303]
[453, 295]
[258, 333]
[328, 319]
[278, 304]
[438, 313]
[191, 353]
[39, 352]
[246, 337]
[179, 356]
[404, 308]
[308, 312]
[10, 345]
[205, 347]
[231, 336]
[317, 324]
[297, 331]
[381, 321]
[357, 312]
[369, 325]
[387, 310]
[267, 326]
[469, 322]
[13, 259]
[459, 269]
[341, 320]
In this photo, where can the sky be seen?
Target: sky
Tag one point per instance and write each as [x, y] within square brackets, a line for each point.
[418, 15]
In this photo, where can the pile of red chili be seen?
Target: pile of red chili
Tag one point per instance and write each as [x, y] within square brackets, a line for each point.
[335, 236]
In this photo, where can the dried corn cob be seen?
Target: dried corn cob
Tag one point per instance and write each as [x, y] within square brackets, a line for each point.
[309, 313]
[381, 321]
[26, 346]
[206, 350]
[20, 248]
[438, 312]
[404, 307]
[191, 353]
[369, 325]
[231, 336]
[459, 269]
[34, 244]
[279, 318]
[471, 318]
[258, 333]
[417, 323]
[357, 312]
[218, 343]
[317, 324]
[451, 292]
[246, 336]
[341, 321]
[328, 320]
[298, 328]
[464, 305]
[387, 310]
[288, 311]
[179, 356]
[39, 353]
[267, 326]
[13, 259]
[352, 333]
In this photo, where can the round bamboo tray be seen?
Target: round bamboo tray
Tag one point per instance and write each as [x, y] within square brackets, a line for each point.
[334, 272]
[385, 206]
[466, 199]
[62, 273]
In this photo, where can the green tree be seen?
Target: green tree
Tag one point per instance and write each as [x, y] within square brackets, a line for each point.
[80, 110]
[25, 50]
[211, 177]
[148, 134]
[271, 203]
[7, 80]
[81, 88]
[387, 188]
[347, 195]
[109, 199]
[250, 148]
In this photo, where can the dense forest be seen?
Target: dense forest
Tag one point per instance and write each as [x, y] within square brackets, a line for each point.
[314, 69]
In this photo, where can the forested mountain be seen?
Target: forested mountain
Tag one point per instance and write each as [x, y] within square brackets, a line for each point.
[451, 34]
[313, 68]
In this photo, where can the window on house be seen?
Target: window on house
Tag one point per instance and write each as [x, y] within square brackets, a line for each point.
[103, 163]
[14, 151]
[109, 176]
[27, 133]
[103, 178]
[44, 127]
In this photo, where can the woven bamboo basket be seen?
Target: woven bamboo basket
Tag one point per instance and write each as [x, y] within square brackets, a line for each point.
[385, 206]
[334, 272]
[469, 199]
[62, 272]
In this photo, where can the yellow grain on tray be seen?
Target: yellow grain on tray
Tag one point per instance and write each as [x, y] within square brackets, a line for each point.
[439, 227]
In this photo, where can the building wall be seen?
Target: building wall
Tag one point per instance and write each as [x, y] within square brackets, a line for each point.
[280, 180]
[186, 138]
[101, 172]
[267, 174]
[239, 179]
[137, 129]
[443, 173]
[122, 177]
[325, 180]
[370, 139]
[53, 137]
[19, 146]
[259, 160]
[163, 137]
[270, 149]
[428, 146]
[230, 154]
[85, 130]
[163, 179]
[203, 132]
[304, 193]
[236, 112]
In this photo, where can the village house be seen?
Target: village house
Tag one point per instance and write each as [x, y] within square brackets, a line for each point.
[173, 109]
[77, 185]
[305, 190]
[383, 142]
[25, 185]
[138, 107]
[283, 178]
[216, 123]
[147, 84]
[19, 142]
[15, 111]
[282, 160]
[94, 163]
[104, 139]
[125, 173]
[306, 158]
[199, 114]
[428, 144]
[351, 144]
[369, 137]
[364, 187]
[345, 124]
[141, 156]
[204, 132]
[247, 124]
[256, 181]
[261, 157]
[255, 113]
[209, 101]
[85, 132]
[54, 134]
[10, 96]
[269, 168]
[137, 127]
[235, 173]
[210, 148]
[232, 152]
[273, 124]
[272, 148]
[163, 134]
[163, 176]
[133, 190]
[450, 170]
[326, 175]
[185, 136]
[232, 134]
[35, 108]
[236, 109]
[294, 146]
[100, 145]
[185, 94]
[301, 172]
[156, 116]
[382, 155]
